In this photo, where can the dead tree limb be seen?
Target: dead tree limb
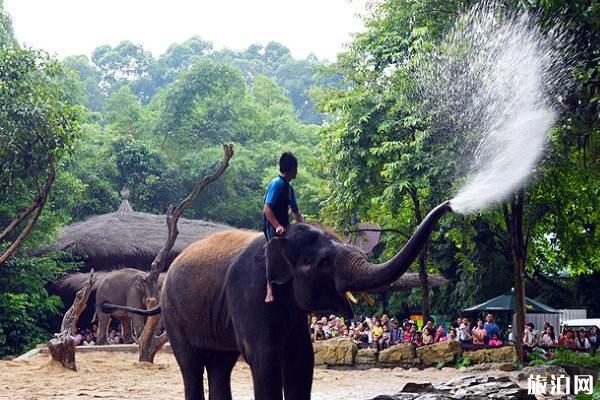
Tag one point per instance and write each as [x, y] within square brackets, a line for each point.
[62, 346]
[35, 209]
[151, 339]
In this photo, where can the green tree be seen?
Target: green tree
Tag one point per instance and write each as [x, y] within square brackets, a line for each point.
[38, 128]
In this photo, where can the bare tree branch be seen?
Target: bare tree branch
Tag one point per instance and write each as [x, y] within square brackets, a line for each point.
[150, 342]
[38, 206]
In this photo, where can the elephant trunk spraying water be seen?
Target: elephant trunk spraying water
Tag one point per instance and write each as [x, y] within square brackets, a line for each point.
[213, 303]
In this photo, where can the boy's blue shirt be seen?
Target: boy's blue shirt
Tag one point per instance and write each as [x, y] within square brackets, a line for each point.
[276, 186]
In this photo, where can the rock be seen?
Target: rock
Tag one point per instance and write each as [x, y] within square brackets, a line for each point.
[439, 352]
[500, 354]
[401, 354]
[414, 387]
[507, 367]
[337, 351]
[366, 356]
[542, 370]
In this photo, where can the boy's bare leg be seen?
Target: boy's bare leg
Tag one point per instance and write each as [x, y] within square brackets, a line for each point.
[269, 298]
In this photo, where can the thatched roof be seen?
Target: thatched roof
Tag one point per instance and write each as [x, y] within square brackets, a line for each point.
[409, 281]
[127, 238]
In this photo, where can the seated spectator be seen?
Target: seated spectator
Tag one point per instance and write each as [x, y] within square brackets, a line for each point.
[464, 332]
[385, 321]
[416, 339]
[452, 337]
[491, 327]
[361, 335]
[440, 334]
[313, 324]
[396, 334]
[510, 336]
[413, 332]
[88, 341]
[548, 339]
[111, 336]
[495, 341]
[408, 332]
[567, 341]
[429, 324]
[582, 342]
[458, 323]
[385, 340]
[78, 338]
[333, 327]
[479, 334]
[593, 338]
[377, 332]
[319, 333]
[426, 337]
[529, 337]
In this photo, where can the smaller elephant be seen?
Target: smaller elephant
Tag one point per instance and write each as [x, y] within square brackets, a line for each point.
[127, 286]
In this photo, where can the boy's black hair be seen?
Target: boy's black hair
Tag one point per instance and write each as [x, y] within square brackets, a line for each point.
[288, 162]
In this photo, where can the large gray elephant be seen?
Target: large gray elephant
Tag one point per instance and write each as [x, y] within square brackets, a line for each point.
[213, 303]
[124, 286]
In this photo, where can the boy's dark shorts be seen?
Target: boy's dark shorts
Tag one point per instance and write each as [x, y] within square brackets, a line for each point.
[269, 231]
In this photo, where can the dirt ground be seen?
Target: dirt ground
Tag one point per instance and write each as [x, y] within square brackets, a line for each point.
[117, 376]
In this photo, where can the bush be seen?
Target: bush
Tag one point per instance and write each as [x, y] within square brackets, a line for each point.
[30, 315]
[564, 356]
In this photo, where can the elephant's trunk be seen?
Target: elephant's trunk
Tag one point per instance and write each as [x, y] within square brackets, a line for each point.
[359, 274]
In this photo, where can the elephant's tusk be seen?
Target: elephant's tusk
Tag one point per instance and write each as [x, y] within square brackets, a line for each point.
[351, 297]
[367, 298]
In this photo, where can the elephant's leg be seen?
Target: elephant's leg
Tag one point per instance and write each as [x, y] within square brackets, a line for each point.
[266, 374]
[219, 365]
[126, 330]
[191, 363]
[298, 364]
[103, 321]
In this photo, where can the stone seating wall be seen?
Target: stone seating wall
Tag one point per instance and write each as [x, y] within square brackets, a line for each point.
[343, 352]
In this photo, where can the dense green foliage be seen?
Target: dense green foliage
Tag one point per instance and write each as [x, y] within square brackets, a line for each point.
[390, 164]
[29, 314]
[39, 125]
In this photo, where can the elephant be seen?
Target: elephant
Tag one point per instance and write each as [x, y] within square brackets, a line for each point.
[213, 306]
[123, 286]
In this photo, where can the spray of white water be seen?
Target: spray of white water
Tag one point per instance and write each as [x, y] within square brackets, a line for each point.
[494, 82]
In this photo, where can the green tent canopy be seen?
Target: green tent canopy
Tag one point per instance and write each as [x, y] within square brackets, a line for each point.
[506, 302]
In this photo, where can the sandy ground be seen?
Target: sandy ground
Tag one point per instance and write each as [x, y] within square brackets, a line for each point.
[117, 376]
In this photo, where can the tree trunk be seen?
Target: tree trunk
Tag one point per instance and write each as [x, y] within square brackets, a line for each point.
[62, 347]
[152, 340]
[514, 223]
[423, 277]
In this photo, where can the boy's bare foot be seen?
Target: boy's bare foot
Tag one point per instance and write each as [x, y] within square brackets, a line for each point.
[269, 298]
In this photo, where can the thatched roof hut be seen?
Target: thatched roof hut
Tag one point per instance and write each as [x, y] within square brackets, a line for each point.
[127, 238]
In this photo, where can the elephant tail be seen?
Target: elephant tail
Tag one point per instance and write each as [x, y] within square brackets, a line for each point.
[109, 308]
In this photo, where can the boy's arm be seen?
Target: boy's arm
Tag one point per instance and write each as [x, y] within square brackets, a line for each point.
[294, 206]
[279, 229]
[297, 216]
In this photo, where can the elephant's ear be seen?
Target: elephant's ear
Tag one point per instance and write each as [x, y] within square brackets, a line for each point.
[279, 267]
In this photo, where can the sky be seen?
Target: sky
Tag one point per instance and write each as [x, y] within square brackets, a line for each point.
[68, 27]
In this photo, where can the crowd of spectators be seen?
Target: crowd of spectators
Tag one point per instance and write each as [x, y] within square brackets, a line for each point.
[87, 336]
[383, 332]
